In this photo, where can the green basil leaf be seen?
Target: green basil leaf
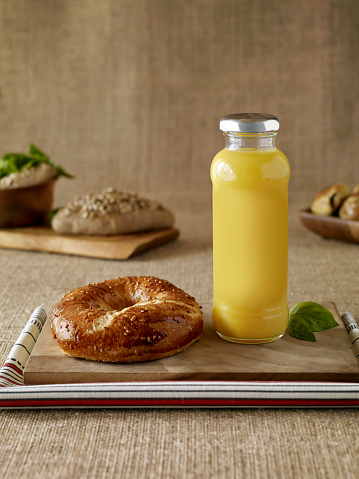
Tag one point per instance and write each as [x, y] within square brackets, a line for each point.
[14, 162]
[52, 213]
[308, 317]
[62, 172]
[316, 315]
[303, 331]
[36, 151]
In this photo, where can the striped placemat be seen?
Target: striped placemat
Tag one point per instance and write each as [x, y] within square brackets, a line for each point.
[178, 394]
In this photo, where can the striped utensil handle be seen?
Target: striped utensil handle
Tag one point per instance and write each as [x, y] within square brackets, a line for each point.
[12, 372]
[353, 330]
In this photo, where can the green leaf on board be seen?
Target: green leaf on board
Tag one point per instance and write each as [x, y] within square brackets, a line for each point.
[308, 317]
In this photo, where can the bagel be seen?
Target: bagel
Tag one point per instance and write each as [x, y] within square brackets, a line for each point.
[130, 319]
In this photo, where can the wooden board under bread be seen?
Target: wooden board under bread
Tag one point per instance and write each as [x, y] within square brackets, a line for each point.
[43, 238]
[331, 358]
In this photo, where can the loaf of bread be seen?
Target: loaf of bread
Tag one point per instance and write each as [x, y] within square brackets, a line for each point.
[327, 201]
[111, 212]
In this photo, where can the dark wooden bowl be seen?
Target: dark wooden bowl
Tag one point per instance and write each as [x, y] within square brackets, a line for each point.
[330, 226]
[26, 206]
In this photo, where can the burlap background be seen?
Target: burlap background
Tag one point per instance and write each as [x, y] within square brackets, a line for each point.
[129, 93]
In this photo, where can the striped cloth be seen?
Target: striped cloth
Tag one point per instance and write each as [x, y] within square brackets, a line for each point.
[12, 372]
[183, 394]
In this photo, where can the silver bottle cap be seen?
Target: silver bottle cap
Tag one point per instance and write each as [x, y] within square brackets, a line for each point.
[249, 123]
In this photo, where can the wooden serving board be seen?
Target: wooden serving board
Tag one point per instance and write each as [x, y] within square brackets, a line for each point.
[43, 238]
[331, 358]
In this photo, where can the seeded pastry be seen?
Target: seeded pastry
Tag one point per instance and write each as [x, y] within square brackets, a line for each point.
[329, 200]
[110, 212]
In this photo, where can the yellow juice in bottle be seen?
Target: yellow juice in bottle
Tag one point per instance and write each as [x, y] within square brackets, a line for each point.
[250, 233]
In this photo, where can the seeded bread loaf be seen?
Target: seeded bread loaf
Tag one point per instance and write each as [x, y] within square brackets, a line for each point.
[110, 212]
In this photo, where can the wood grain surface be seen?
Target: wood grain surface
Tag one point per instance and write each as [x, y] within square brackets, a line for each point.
[43, 238]
[211, 358]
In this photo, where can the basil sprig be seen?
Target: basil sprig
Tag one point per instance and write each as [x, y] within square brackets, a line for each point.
[52, 214]
[308, 317]
[15, 162]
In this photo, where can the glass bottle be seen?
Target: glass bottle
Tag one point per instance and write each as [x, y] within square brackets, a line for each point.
[250, 231]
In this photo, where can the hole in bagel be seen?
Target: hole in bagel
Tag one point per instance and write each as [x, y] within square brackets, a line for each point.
[140, 311]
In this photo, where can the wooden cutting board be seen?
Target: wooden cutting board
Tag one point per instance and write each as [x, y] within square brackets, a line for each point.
[331, 358]
[43, 238]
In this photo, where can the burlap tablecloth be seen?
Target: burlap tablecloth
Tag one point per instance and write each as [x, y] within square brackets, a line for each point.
[129, 94]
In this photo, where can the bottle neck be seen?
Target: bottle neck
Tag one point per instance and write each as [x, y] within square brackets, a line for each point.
[257, 141]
